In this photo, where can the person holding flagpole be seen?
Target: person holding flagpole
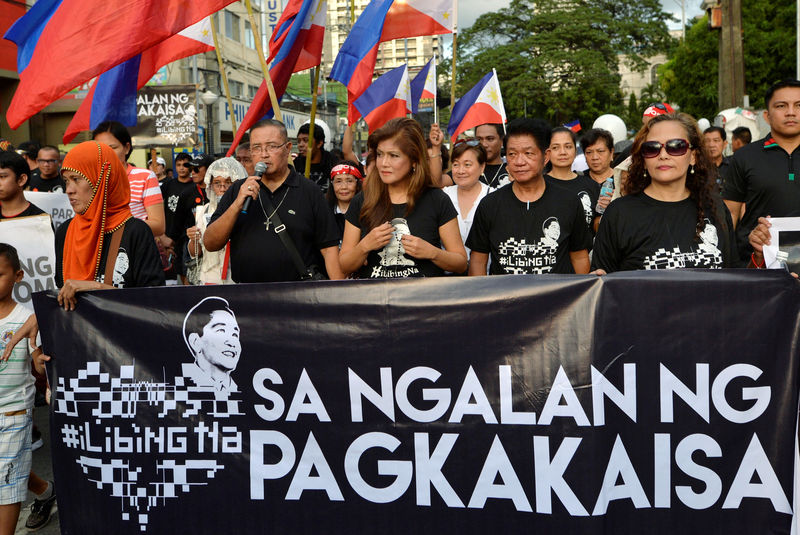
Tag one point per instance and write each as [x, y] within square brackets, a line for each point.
[400, 225]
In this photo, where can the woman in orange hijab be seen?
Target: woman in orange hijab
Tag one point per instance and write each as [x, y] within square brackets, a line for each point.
[99, 193]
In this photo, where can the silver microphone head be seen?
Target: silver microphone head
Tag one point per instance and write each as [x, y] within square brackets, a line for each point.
[261, 168]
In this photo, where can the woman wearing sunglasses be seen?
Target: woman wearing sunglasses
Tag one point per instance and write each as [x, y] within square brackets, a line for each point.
[669, 216]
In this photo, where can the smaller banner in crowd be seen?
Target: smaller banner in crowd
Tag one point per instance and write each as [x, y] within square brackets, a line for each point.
[507, 404]
[167, 116]
[55, 204]
[35, 244]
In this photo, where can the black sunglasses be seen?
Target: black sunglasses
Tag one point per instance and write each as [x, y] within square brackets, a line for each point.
[675, 147]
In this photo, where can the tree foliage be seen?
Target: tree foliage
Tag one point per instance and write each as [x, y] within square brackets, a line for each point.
[558, 59]
[690, 77]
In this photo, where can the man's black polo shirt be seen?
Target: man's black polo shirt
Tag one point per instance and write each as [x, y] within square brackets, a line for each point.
[767, 179]
[257, 254]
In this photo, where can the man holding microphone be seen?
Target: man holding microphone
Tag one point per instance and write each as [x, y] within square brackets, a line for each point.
[280, 200]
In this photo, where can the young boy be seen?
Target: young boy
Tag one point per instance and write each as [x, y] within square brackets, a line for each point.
[14, 173]
[17, 393]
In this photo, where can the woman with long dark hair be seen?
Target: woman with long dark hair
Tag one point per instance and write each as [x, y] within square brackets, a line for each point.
[401, 225]
[669, 217]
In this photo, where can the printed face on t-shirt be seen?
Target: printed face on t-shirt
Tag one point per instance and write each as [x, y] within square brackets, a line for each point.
[783, 113]
[666, 169]
[525, 159]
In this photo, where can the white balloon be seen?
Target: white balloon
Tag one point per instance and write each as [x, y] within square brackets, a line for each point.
[703, 123]
[613, 124]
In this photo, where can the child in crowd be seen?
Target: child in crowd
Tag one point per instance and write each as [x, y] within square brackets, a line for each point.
[17, 393]
[14, 174]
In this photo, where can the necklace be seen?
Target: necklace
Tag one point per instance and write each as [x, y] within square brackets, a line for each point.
[491, 182]
[269, 217]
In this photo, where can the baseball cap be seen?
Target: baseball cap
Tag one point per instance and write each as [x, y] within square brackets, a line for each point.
[658, 108]
[202, 160]
[159, 161]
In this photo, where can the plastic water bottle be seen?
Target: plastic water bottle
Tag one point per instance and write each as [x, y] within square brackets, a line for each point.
[607, 190]
[781, 261]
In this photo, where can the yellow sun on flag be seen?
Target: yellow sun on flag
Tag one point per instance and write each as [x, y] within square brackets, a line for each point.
[493, 96]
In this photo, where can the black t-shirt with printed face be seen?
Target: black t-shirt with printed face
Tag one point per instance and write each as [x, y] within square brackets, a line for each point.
[585, 189]
[257, 253]
[138, 263]
[529, 237]
[639, 232]
[767, 180]
[53, 185]
[171, 191]
[495, 176]
[188, 201]
[432, 210]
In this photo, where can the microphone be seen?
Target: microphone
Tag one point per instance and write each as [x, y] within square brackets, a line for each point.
[261, 168]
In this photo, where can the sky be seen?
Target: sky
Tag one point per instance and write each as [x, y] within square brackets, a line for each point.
[469, 10]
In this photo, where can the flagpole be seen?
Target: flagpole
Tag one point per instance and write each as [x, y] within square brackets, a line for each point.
[436, 94]
[273, 97]
[455, 36]
[500, 94]
[311, 144]
[224, 77]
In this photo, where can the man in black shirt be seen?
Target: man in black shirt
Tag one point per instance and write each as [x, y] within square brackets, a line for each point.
[490, 136]
[765, 175]
[322, 161]
[188, 201]
[49, 177]
[171, 191]
[740, 137]
[715, 141]
[529, 226]
[257, 252]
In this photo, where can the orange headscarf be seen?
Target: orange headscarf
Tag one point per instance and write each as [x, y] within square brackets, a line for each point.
[107, 211]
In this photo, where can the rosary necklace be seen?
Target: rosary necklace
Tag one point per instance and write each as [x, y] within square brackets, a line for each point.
[269, 217]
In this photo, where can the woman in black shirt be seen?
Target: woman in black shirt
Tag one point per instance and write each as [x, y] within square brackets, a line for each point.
[669, 217]
[401, 225]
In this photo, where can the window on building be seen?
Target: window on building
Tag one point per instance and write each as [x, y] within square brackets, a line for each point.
[237, 88]
[252, 90]
[249, 37]
[232, 26]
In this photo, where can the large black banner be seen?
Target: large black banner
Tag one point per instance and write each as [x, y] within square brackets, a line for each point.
[632, 403]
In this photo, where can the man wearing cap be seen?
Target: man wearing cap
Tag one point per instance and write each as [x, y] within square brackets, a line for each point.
[258, 252]
[188, 201]
[159, 169]
[322, 161]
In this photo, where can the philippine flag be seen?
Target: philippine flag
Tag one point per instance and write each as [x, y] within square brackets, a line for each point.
[62, 44]
[385, 20]
[113, 95]
[388, 97]
[424, 85]
[482, 104]
[575, 125]
[295, 45]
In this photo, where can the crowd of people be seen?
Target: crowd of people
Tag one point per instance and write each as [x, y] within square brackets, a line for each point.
[509, 200]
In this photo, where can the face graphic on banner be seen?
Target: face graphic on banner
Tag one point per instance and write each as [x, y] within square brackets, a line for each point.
[211, 332]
